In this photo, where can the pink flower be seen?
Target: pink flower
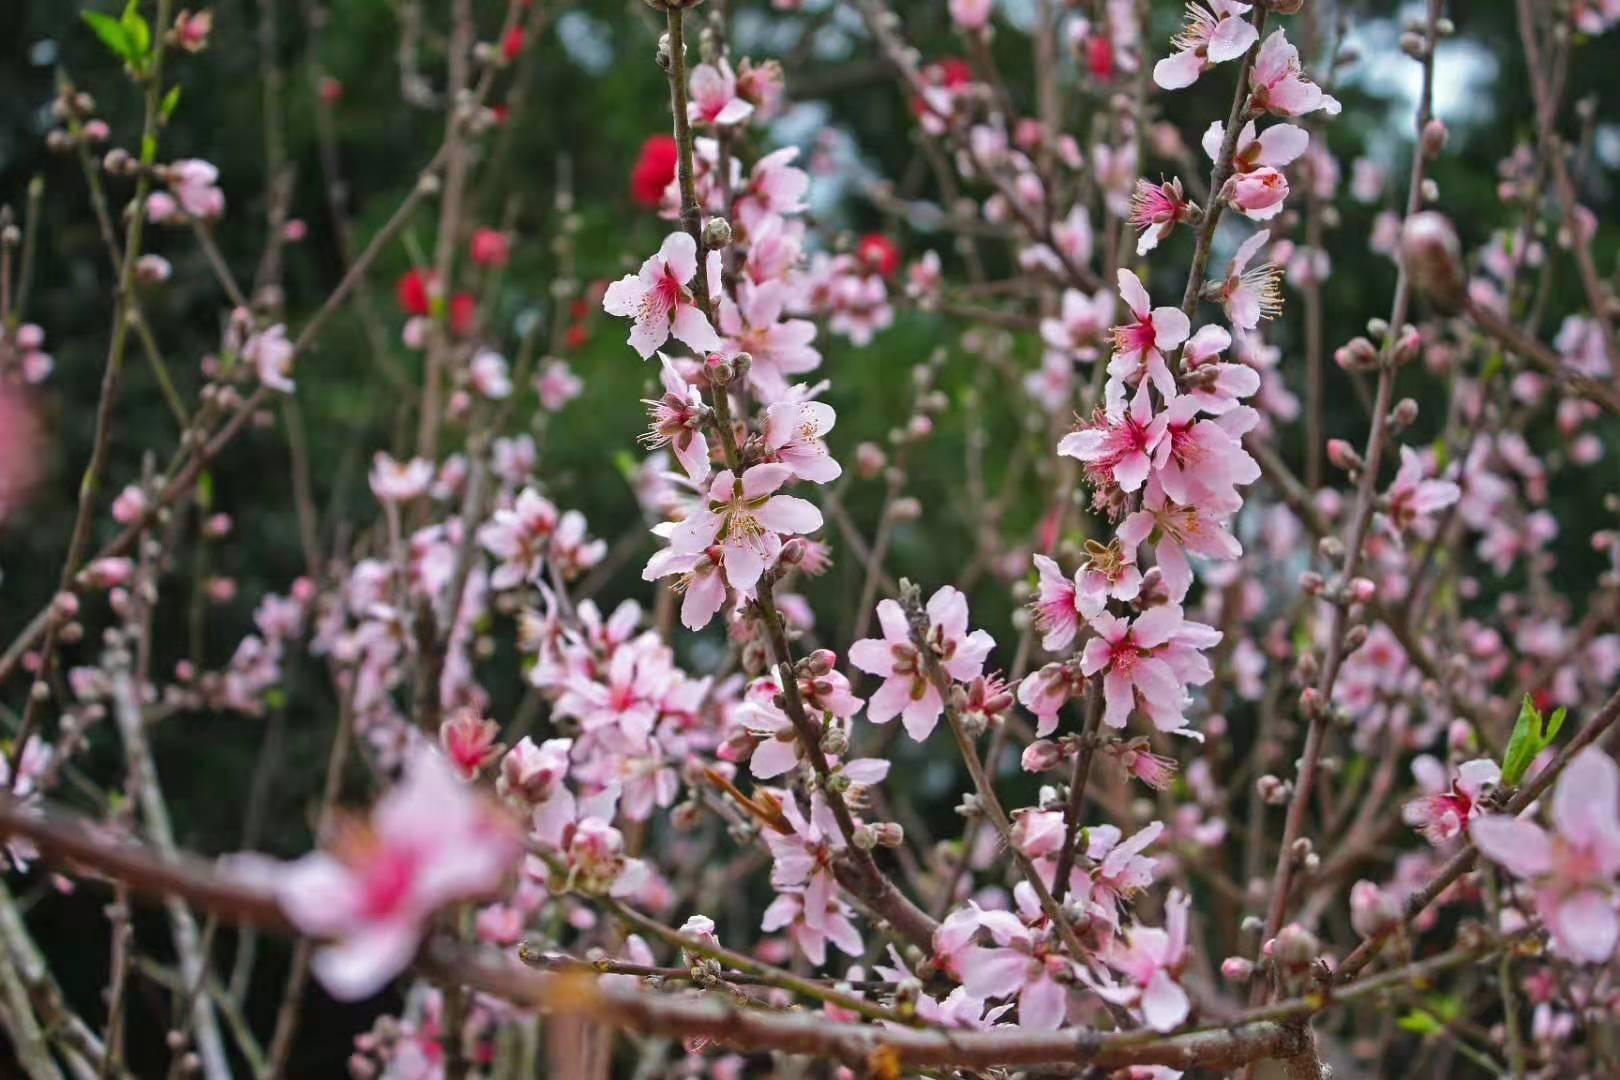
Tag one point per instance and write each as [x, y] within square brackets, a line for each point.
[677, 421]
[1251, 295]
[487, 374]
[430, 841]
[271, 355]
[1278, 84]
[1122, 870]
[1152, 959]
[714, 96]
[794, 430]
[519, 537]
[1215, 387]
[1259, 193]
[1441, 816]
[1258, 187]
[746, 520]
[834, 925]
[1574, 868]
[469, 741]
[971, 14]
[1412, 498]
[659, 301]
[778, 347]
[1080, 324]
[1201, 462]
[907, 692]
[1209, 37]
[193, 183]
[1109, 572]
[1057, 614]
[698, 578]
[1139, 345]
[557, 385]
[1156, 209]
[130, 505]
[534, 774]
[1117, 447]
[775, 187]
[397, 482]
[1136, 676]
[1179, 530]
[491, 247]
[1026, 963]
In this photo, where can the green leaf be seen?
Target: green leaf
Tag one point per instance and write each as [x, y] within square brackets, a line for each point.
[1420, 1022]
[171, 101]
[1525, 743]
[1555, 724]
[137, 33]
[110, 31]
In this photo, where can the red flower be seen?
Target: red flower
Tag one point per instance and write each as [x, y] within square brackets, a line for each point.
[491, 247]
[414, 292]
[1100, 57]
[879, 253]
[463, 313]
[655, 168]
[513, 45]
[331, 91]
[577, 336]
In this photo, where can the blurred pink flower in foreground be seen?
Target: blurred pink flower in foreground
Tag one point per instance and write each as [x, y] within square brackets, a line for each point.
[429, 841]
[1573, 869]
[20, 439]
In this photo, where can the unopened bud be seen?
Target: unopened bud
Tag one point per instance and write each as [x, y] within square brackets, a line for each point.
[1041, 755]
[1237, 969]
[869, 460]
[1357, 354]
[1310, 702]
[820, 662]
[1434, 138]
[834, 741]
[1404, 414]
[1408, 347]
[866, 837]
[792, 552]
[1296, 947]
[1272, 790]
[1343, 455]
[716, 233]
[1432, 256]
[1311, 583]
[907, 509]
[890, 834]
[1413, 45]
[1362, 590]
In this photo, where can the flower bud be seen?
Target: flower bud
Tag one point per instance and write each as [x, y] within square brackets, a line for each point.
[1272, 790]
[1237, 969]
[869, 460]
[1372, 911]
[1404, 414]
[1432, 256]
[1434, 138]
[716, 233]
[1041, 755]
[890, 834]
[1357, 354]
[1296, 947]
[1343, 455]
[834, 741]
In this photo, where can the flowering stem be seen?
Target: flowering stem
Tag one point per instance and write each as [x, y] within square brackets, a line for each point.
[1360, 521]
[989, 804]
[861, 874]
[1220, 174]
[1077, 791]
